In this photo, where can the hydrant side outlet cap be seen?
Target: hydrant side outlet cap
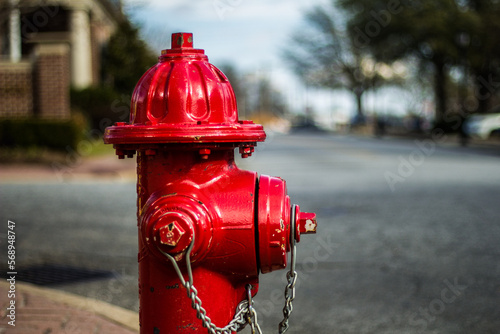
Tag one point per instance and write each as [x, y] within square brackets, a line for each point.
[184, 99]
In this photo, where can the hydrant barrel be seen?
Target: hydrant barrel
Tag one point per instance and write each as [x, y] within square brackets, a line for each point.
[199, 216]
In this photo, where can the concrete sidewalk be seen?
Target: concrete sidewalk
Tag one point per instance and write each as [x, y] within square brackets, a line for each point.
[43, 311]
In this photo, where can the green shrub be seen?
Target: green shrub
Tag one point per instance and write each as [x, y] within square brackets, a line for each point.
[101, 103]
[34, 132]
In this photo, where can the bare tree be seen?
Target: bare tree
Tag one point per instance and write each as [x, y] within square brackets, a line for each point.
[325, 55]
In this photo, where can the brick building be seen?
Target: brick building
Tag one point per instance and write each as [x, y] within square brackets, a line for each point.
[48, 46]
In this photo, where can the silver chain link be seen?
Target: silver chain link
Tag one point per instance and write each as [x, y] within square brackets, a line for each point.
[252, 313]
[245, 312]
[291, 277]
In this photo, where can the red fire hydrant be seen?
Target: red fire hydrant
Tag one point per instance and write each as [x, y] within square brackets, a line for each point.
[204, 224]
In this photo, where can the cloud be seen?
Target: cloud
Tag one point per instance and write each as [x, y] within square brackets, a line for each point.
[172, 8]
[232, 10]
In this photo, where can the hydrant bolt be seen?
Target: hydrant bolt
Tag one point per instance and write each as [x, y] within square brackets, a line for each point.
[171, 234]
[204, 153]
[306, 223]
[150, 152]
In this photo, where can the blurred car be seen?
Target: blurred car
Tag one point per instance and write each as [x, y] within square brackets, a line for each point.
[483, 126]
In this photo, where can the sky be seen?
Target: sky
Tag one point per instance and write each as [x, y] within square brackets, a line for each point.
[249, 34]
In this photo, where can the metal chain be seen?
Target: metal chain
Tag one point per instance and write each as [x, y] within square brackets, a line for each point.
[252, 313]
[289, 297]
[245, 312]
[291, 277]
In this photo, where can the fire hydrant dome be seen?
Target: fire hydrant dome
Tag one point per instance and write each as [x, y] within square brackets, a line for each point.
[179, 91]
[184, 98]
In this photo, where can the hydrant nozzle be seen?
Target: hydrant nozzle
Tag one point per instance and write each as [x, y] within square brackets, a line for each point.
[306, 223]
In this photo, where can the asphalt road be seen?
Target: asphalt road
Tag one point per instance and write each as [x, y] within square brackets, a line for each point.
[408, 238]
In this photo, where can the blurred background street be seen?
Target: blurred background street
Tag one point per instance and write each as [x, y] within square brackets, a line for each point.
[383, 116]
[379, 263]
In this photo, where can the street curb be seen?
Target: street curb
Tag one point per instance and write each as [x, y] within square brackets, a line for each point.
[116, 314]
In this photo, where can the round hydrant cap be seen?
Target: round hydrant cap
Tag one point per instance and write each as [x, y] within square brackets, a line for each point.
[184, 99]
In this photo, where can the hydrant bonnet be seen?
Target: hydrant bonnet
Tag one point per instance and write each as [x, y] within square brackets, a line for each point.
[184, 99]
